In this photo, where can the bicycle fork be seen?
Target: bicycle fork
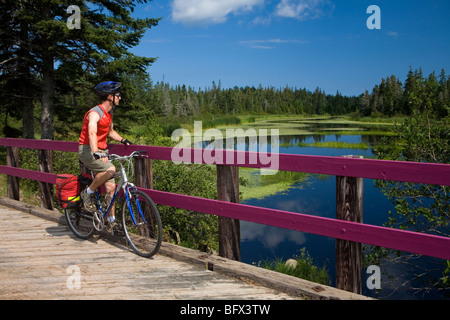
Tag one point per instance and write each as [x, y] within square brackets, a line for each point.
[128, 197]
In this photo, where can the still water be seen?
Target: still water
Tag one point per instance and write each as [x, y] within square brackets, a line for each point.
[317, 196]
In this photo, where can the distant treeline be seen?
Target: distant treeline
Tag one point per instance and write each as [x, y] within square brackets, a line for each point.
[391, 97]
[144, 99]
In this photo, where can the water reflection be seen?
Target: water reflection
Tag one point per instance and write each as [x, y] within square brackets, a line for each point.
[317, 196]
[270, 237]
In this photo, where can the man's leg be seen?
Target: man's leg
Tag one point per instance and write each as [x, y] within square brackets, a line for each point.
[110, 189]
[100, 179]
[105, 172]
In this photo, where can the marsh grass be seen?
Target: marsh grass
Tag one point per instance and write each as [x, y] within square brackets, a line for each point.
[335, 144]
[253, 185]
[304, 269]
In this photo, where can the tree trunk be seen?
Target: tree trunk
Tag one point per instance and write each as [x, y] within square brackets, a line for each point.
[48, 94]
[28, 119]
[48, 85]
[48, 88]
[26, 83]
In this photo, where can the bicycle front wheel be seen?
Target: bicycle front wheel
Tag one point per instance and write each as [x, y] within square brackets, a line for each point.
[142, 224]
[80, 222]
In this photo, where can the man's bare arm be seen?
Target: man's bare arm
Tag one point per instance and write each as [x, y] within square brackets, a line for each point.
[93, 118]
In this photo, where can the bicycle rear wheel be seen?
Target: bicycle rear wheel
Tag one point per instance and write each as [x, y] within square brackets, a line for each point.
[80, 222]
[142, 224]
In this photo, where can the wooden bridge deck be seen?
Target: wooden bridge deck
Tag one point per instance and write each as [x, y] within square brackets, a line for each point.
[37, 255]
[37, 259]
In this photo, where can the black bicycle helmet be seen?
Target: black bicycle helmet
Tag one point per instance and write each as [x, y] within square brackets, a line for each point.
[108, 87]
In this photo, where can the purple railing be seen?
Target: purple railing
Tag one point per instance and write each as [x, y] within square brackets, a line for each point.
[414, 242]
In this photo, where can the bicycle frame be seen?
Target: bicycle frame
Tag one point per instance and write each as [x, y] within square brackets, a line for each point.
[126, 186]
[143, 232]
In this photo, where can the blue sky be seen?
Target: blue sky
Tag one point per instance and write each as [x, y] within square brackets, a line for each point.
[298, 43]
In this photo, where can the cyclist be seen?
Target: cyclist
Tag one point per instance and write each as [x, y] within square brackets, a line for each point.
[92, 147]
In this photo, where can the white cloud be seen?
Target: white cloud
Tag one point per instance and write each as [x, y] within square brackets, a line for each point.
[209, 11]
[303, 9]
[393, 34]
[268, 44]
[262, 21]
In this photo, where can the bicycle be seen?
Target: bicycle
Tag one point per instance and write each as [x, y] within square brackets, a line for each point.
[141, 220]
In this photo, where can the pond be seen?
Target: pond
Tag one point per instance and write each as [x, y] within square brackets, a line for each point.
[316, 195]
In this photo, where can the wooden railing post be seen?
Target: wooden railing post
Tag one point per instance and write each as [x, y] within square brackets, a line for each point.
[46, 189]
[349, 207]
[143, 173]
[12, 160]
[229, 229]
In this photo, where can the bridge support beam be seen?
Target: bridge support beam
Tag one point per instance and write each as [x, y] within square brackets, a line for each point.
[143, 173]
[46, 189]
[229, 229]
[12, 160]
[349, 207]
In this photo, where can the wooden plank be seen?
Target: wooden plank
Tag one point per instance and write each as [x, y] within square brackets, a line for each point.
[420, 243]
[108, 271]
[428, 173]
[153, 271]
[69, 146]
[416, 172]
[29, 174]
[284, 283]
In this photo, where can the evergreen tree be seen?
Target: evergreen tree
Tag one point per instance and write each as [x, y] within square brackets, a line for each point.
[18, 89]
[443, 99]
[364, 104]
[61, 57]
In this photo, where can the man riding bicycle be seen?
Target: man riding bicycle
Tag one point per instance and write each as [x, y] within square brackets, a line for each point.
[92, 147]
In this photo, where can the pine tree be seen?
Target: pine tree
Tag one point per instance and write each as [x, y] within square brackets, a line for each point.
[443, 103]
[18, 87]
[60, 57]
[364, 104]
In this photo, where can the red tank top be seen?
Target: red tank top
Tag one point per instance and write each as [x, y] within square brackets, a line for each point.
[102, 127]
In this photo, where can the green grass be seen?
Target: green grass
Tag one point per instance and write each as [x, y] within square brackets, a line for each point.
[287, 125]
[304, 269]
[297, 125]
[353, 132]
[335, 144]
[257, 186]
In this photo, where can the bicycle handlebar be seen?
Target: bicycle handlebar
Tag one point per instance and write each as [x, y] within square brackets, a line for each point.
[137, 153]
[112, 157]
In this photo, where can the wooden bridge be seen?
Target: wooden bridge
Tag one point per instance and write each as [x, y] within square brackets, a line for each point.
[348, 228]
[40, 258]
